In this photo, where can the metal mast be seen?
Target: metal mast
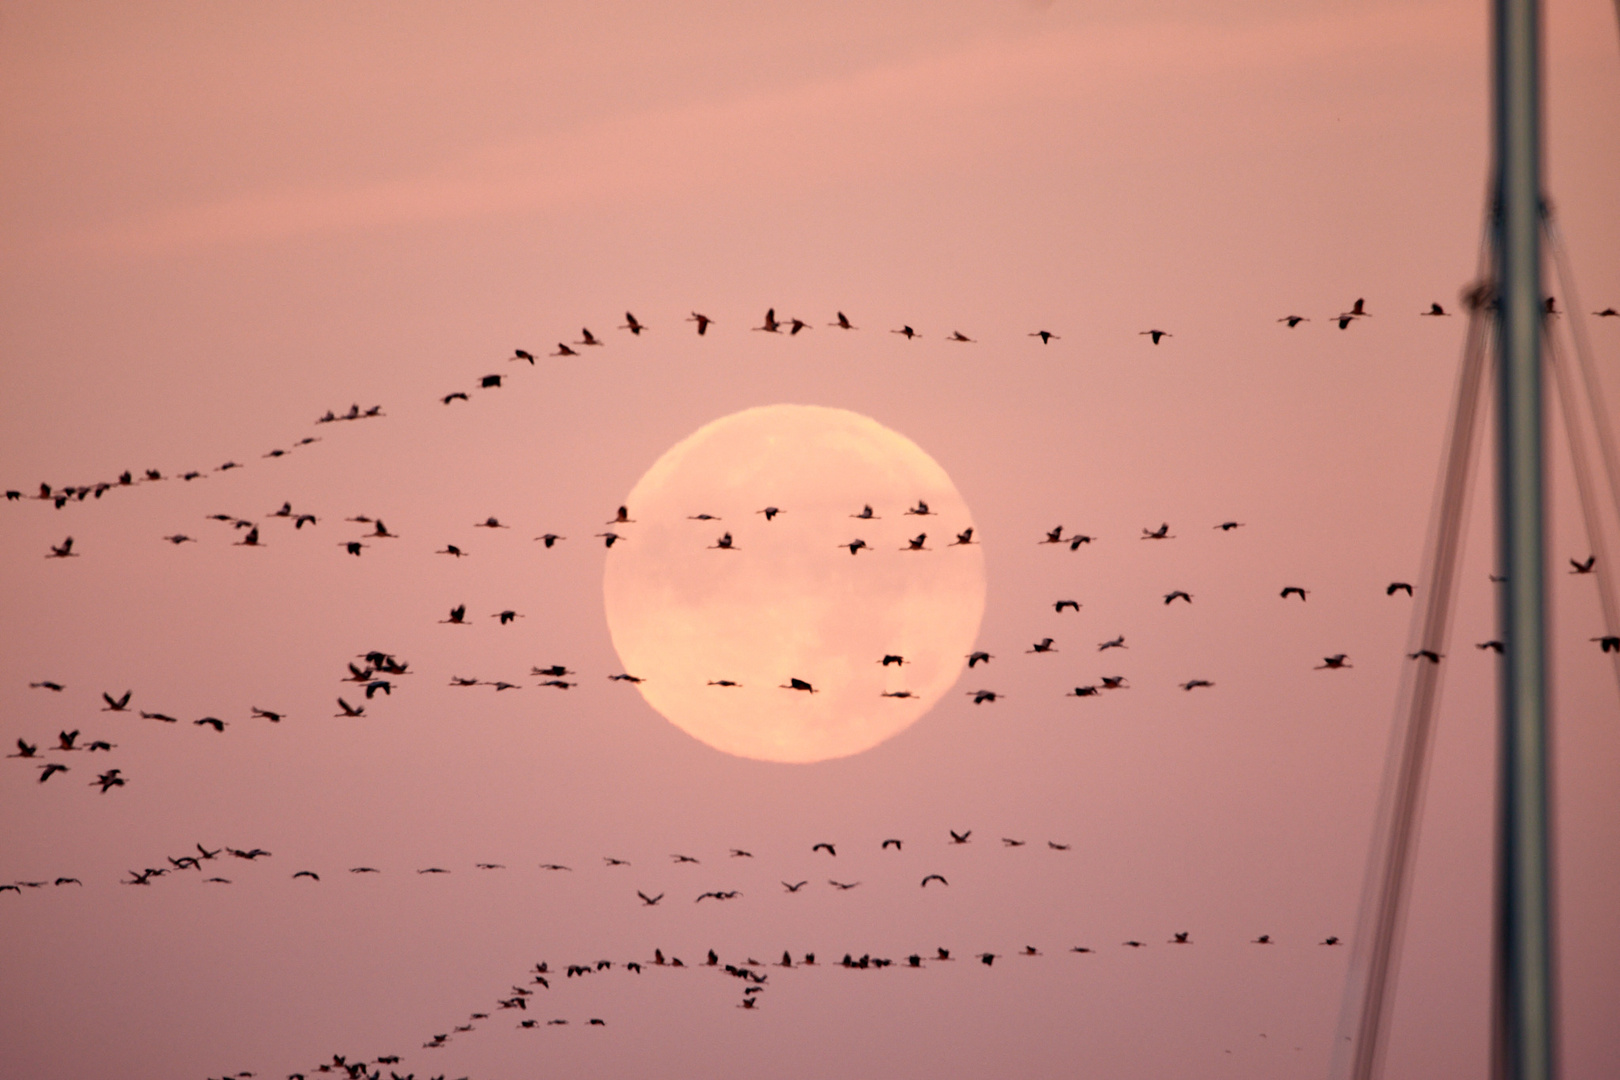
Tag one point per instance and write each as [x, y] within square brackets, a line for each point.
[1524, 1036]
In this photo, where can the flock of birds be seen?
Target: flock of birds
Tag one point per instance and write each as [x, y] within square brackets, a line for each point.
[523, 997]
[377, 672]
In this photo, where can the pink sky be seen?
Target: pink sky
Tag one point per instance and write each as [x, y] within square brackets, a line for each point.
[221, 221]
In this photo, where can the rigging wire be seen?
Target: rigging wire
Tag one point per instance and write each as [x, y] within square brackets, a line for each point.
[1369, 995]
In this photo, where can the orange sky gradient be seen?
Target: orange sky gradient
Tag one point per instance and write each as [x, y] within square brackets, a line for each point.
[221, 221]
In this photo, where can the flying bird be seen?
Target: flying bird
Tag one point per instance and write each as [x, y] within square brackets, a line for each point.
[1042, 646]
[723, 544]
[828, 847]
[798, 684]
[1293, 320]
[770, 512]
[312, 875]
[1398, 586]
[64, 550]
[959, 336]
[842, 885]
[702, 321]
[1076, 540]
[1177, 595]
[1228, 526]
[916, 543]
[211, 721]
[1583, 567]
[1294, 590]
[1059, 605]
[1084, 691]
[458, 616]
[551, 538]
[1116, 643]
[1608, 642]
[794, 887]
[1334, 662]
[1046, 336]
[1425, 654]
[180, 538]
[978, 657]
[934, 877]
[1193, 684]
[982, 696]
[451, 549]
[120, 704]
[349, 710]
[1161, 533]
[562, 350]
[108, 780]
[843, 323]
[649, 901]
[770, 326]
[907, 331]
[866, 514]
[1155, 334]
[884, 846]
[959, 838]
[797, 325]
[587, 338]
[632, 325]
[1494, 646]
[1435, 309]
[963, 538]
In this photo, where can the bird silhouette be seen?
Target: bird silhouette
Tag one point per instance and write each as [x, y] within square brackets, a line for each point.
[1494, 646]
[1398, 586]
[1294, 590]
[770, 512]
[843, 322]
[108, 780]
[1228, 526]
[959, 838]
[1177, 595]
[907, 331]
[180, 538]
[770, 326]
[963, 538]
[1161, 533]
[1084, 691]
[312, 875]
[458, 616]
[211, 721]
[916, 543]
[1055, 846]
[1425, 654]
[587, 338]
[978, 657]
[981, 697]
[1046, 336]
[1007, 841]
[632, 325]
[1182, 938]
[825, 846]
[798, 684]
[896, 843]
[25, 749]
[451, 549]
[1114, 682]
[563, 350]
[1042, 646]
[855, 546]
[1293, 320]
[622, 517]
[506, 616]
[702, 321]
[550, 539]
[1193, 684]
[120, 704]
[1076, 540]
[64, 550]
[866, 514]
[649, 901]
[797, 325]
[349, 710]
[842, 885]
[1608, 642]
[1583, 567]
[1435, 309]
[1334, 662]
[795, 887]
[609, 538]
[892, 659]
[723, 544]
[1155, 334]
[1116, 643]
[934, 877]
[1054, 536]
[959, 336]
[1059, 605]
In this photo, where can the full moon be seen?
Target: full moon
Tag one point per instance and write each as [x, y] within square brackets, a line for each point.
[718, 633]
